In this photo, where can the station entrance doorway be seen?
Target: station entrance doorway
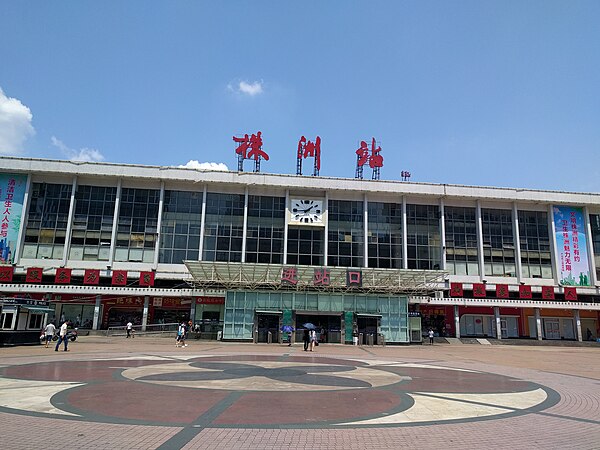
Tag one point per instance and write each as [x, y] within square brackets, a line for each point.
[266, 328]
[368, 326]
[328, 325]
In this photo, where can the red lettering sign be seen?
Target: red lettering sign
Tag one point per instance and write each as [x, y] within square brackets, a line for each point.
[6, 274]
[63, 276]
[34, 275]
[211, 300]
[321, 277]
[289, 275]
[525, 291]
[548, 292]
[479, 290]
[119, 278]
[91, 276]
[502, 291]
[146, 278]
[456, 290]
[571, 294]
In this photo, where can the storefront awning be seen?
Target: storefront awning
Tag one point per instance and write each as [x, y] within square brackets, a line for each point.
[37, 309]
[368, 315]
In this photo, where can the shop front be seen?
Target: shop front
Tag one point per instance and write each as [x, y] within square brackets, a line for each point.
[21, 320]
[335, 317]
[169, 310]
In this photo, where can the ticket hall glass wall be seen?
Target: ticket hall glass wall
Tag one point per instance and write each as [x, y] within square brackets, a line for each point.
[47, 223]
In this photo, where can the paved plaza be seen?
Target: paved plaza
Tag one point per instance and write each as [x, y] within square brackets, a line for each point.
[144, 393]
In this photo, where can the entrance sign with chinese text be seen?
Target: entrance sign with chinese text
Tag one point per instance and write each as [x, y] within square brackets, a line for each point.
[571, 243]
[250, 148]
[374, 158]
[309, 149]
[12, 193]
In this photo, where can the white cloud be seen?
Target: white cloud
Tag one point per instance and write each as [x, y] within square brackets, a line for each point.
[194, 164]
[246, 88]
[83, 154]
[15, 125]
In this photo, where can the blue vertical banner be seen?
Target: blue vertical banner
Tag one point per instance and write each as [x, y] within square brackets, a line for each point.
[571, 244]
[12, 194]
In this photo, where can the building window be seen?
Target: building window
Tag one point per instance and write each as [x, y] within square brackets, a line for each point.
[264, 235]
[385, 235]
[346, 233]
[305, 246]
[534, 237]
[92, 223]
[423, 237]
[461, 241]
[498, 242]
[137, 225]
[6, 320]
[223, 228]
[35, 321]
[180, 227]
[46, 228]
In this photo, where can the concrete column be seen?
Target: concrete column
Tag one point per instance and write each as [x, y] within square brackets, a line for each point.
[456, 322]
[366, 231]
[245, 229]
[24, 215]
[577, 317]
[161, 202]
[404, 235]
[69, 223]
[498, 325]
[517, 242]
[145, 313]
[113, 237]
[285, 225]
[193, 311]
[538, 323]
[96, 322]
[202, 222]
[479, 226]
[443, 234]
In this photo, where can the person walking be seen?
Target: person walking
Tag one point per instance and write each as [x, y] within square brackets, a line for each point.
[49, 330]
[305, 339]
[62, 337]
[181, 331]
[129, 328]
[430, 334]
[313, 339]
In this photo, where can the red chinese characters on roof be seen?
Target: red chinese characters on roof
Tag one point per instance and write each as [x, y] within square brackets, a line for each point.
[250, 148]
[307, 149]
[372, 156]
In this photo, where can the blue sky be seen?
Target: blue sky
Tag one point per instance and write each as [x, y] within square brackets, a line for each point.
[499, 93]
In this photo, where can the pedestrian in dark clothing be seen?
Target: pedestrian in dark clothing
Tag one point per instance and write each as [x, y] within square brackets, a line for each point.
[306, 340]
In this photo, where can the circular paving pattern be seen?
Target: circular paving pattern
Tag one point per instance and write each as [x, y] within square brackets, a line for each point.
[252, 391]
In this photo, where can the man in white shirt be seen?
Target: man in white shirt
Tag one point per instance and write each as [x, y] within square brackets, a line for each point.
[49, 330]
[62, 337]
[129, 328]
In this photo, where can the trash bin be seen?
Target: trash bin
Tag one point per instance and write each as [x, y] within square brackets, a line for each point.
[269, 337]
[370, 340]
[355, 340]
[360, 339]
[381, 339]
[219, 335]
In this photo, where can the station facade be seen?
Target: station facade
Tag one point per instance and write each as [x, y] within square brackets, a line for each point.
[245, 254]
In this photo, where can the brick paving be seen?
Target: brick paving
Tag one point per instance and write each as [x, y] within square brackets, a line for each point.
[573, 421]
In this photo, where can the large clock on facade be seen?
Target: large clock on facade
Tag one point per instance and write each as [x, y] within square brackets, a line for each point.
[306, 211]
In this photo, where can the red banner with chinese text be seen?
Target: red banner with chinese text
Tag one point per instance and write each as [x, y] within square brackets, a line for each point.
[525, 291]
[571, 294]
[147, 279]
[91, 276]
[502, 291]
[34, 275]
[6, 274]
[456, 290]
[63, 276]
[479, 290]
[119, 278]
[548, 292]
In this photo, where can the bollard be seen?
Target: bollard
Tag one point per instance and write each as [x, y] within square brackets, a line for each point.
[360, 339]
[269, 337]
[256, 336]
[370, 339]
